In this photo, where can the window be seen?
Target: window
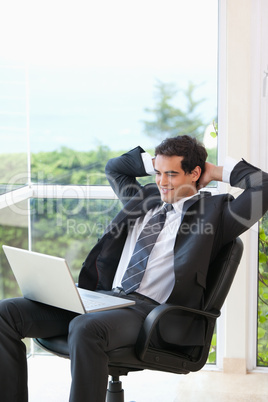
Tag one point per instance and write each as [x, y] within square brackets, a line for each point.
[81, 83]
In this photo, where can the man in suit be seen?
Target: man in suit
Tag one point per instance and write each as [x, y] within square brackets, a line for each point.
[196, 226]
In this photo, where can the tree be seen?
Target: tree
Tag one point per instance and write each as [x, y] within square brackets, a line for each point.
[170, 120]
[262, 357]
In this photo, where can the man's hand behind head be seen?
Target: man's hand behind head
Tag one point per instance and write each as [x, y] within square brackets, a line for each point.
[212, 172]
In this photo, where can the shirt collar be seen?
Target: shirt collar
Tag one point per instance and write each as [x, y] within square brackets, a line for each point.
[178, 205]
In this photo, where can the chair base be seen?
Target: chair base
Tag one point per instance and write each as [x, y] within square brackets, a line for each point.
[115, 393]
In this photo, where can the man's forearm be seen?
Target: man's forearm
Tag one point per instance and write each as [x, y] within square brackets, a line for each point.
[122, 172]
[211, 173]
[216, 174]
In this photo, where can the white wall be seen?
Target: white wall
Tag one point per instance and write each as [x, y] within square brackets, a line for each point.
[243, 137]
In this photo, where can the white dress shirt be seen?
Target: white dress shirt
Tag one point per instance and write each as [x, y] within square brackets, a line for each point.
[158, 279]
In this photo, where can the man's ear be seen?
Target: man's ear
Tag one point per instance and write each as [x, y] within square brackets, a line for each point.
[196, 173]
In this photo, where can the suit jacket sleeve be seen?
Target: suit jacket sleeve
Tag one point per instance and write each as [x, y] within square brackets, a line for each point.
[122, 171]
[243, 211]
[101, 263]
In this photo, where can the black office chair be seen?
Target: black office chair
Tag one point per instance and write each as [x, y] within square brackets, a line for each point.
[162, 320]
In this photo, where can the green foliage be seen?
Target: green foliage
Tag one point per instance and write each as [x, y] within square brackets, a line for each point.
[169, 120]
[212, 155]
[262, 358]
[18, 237]
[214, 133]
[68, 166]
[212, 351]
[13, 171]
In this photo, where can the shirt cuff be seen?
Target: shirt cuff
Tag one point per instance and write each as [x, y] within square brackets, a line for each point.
[148, 164]
[228, 166]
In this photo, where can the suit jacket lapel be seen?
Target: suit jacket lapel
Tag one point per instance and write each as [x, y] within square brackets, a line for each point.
[145, 199]
[192, 200]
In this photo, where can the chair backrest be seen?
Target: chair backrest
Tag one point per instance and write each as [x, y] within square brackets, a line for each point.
[183, 327]
[178, 332]
[221, 274]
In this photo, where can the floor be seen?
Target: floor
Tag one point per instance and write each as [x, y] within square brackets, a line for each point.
[49, 381]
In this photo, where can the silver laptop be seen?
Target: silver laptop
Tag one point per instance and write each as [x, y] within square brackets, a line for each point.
[47, 279]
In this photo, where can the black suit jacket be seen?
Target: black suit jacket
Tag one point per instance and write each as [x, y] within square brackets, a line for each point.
[208, 223]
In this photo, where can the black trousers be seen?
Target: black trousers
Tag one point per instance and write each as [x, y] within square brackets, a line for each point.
[90, 337]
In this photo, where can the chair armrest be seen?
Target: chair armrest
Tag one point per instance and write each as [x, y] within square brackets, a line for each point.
[154, 317]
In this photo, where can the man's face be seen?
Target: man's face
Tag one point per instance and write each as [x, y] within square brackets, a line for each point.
[172, 181]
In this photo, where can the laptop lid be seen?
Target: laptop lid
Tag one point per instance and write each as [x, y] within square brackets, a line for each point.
[47, 279]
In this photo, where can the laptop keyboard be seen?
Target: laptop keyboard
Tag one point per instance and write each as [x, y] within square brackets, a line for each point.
[88, 304]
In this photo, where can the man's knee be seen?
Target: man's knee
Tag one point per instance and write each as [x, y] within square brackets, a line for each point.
[8, 309]
[86, 328]
[10, 317]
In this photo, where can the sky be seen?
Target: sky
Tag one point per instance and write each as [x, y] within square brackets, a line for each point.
[88, 69]
[76, 32]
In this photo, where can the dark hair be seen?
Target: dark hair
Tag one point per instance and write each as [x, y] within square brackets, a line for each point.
[194, 153]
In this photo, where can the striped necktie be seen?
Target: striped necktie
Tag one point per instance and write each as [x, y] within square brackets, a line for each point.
[144, 245]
